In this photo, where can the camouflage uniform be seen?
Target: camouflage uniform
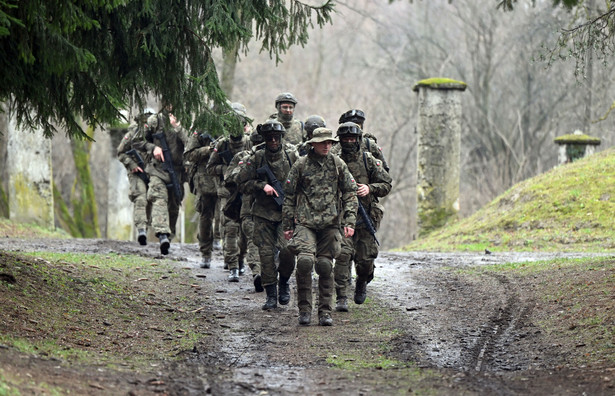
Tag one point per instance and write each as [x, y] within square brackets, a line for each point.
[371, 147]
[220, 159]
[267, 216]
[320, 196]
[293, 127]
[362, 247]
[160, 194]
[138, 186]
[197, 154]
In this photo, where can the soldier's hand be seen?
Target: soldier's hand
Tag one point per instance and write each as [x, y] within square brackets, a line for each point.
[348, 232]
[270, 190]
[137, 170]
[288, 235]
[158, 154]
[362, 190]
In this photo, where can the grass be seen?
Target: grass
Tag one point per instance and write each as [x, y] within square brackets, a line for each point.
[569, 208]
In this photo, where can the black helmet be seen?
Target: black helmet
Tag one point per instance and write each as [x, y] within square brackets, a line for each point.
[313, 122]
[270, 126]
[285, 97]
[349, 129]
[355, 115]
[256, 138]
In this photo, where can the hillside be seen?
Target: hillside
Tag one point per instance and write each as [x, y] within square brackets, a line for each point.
[569, 208]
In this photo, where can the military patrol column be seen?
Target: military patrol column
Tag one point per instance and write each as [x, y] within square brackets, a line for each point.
[438, 154]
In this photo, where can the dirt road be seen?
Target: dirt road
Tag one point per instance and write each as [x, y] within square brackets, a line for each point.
[425, 329]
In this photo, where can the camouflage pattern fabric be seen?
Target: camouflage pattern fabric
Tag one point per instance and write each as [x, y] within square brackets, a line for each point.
[252, 257]
[165, 208]
[205, 207]
[269, 239]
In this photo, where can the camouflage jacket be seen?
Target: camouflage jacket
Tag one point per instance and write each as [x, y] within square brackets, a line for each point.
[134, 135]
[320, 192]
[177, 139]
[221, 158]
[368, 170]
[295, 133]
[368, 145]
[196, 157]
[280, 164]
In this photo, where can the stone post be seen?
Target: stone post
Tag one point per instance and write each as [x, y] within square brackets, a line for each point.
[438, 154]
[119, 207]
[30, 187]
[574, 146]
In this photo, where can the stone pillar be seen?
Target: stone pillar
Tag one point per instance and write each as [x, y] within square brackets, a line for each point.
[438, 154]
[30, 187]
[119, 207]
[574, 146]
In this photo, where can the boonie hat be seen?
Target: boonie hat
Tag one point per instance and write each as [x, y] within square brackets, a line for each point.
[322, 135]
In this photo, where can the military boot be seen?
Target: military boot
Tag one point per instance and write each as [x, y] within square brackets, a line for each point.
[234, 275]
[283, 291]
[305, 318]
[258, 283]
[360, 292]
[272, 296]
[242, 267]
[205, 262]
[325, 319]
[341, 304]
[164, 243]
[142, 238]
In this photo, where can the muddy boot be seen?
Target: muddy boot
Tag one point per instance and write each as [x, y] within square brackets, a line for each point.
[142, 238]
[325, 320]
[164, 243]
[283, 291]
[305, 318]
[360, 292]
[242, 267]
[258, 283]
[234, 275]
[272, 296]
[217, 245]
[205, 262]
[342, 304]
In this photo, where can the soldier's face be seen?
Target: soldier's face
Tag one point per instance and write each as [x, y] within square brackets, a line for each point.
[273, 141]
[287, 108]
[322, 148]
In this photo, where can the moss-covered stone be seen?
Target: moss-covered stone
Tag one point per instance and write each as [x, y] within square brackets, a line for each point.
[440, 83]
[574, 138]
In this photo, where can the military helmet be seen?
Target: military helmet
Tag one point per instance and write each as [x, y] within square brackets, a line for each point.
[285, 97]
[239, 109]
[355, 115]
[313, 122]
[256, 138]
[349, 129]
[270, 126]
[148, 110]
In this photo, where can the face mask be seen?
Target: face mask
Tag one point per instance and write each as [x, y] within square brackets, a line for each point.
[349, 147]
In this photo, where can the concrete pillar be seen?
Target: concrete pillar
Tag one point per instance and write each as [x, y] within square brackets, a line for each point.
[438, 154]
[30, 187]
[119, 207]
[574, 146]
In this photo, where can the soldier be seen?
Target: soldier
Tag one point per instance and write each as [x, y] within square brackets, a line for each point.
[220, 159]
[373, 182]
[165, 140]
[261, 178]
[285, 104]
[245, 213]
[320, 197]
[368, 141]
[199, 149]
[134, 161]
[311, 123]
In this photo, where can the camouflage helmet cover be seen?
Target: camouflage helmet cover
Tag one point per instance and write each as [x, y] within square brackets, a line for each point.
[285, 97]
[313, 122]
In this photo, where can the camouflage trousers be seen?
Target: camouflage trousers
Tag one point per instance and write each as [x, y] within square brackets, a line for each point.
[235, 245]
[218, 230]
[206, 205]
[141, 210]
[315, 249]
[165, 208]
[361, 248]
[247, 229]
[269, 239]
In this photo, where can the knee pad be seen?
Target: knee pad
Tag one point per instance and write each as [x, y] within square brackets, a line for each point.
[305, 264]
[324, 266]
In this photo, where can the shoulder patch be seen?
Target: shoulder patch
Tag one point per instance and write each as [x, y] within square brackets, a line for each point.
[377, 163]
[216, 149]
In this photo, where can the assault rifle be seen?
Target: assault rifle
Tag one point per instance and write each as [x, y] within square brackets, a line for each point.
[264, 172]
[368, 221]
[137, 157]
[168, 166]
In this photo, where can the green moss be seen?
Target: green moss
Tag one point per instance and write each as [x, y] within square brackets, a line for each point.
[574, 138]
[83, 199]
[62, 214]
[440, 83]
[4, 203]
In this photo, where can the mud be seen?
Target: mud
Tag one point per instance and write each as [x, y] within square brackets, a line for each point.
[454, 334]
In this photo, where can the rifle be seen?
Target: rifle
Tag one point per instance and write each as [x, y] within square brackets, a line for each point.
[265, 172]
[137, 157]
[368, 221]
[168, 165]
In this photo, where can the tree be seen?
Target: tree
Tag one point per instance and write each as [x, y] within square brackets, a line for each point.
[62, 61]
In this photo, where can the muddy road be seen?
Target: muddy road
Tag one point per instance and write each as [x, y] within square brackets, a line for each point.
[425, 329]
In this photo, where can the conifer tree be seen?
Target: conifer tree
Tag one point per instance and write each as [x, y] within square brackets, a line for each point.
[63, 61]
